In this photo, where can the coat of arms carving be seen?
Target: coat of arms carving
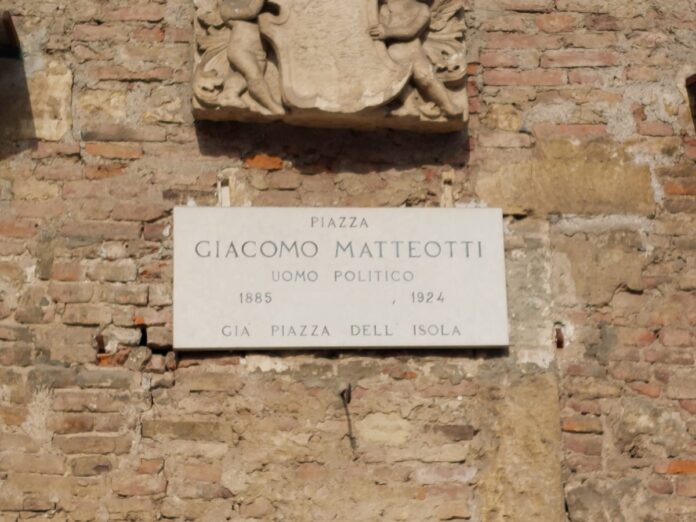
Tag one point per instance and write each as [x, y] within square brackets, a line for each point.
[332, 63]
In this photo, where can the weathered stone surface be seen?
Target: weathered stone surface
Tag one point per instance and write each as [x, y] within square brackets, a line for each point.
[134, 486]
[40, 101]
[90, 466]
[190, 430]
[510, 489]
[594, 501]
[600, 264]
[194, 380]
[51, 101]
[565, 178]
[391, 430]
[104, 444]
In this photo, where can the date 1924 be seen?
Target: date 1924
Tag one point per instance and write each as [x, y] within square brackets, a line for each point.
[427, 297]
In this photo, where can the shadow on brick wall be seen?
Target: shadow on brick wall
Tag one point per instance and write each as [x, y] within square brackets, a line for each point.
[16, 120]
[333, 150]
[691, 89]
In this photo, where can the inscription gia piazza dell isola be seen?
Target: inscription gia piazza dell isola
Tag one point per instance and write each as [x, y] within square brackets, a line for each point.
[356, 260]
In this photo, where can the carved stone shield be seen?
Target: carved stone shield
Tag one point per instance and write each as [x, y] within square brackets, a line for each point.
[327, 59]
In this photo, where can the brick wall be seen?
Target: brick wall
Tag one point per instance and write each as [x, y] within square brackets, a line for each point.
[580, 130]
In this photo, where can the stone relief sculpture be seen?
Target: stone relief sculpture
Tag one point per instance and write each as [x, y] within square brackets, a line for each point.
[332, 63]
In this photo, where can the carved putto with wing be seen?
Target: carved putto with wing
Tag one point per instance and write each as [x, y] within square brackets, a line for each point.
[343, 63]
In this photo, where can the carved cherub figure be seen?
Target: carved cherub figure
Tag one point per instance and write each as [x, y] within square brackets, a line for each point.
[242, 45]
[403, 25]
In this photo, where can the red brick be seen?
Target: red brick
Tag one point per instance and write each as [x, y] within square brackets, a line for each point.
[150, 466]
[149, 316]
[148, 34]
[64, 423]
[586, 77]
[677, 467]
[117, 358]
[59, 170]
[583, 6]
[134, 211]
[12, 415]
[569, 131]
[114, 150]
[123, 294]
[123, 270]
[90, 400]
[643, 74]
[690, 151]
[44, 464]
[680, 187]
[647, 389]
[668, 355]
[660, 486]
[591, 41]
[689, 405]
[310, 471]
[583, 443]
[264, 161]
[674, 336]
[521, 41]
[591, 407]
[46, 149]
[92, 33]
[635, 337]
[579, 58]
[630, 371]
[602, 22]
[19, 228]
[86, 314]
[66, 271]
[93, 444]
[686, 486]
[145, 13]
[179, 34]
[582, 424]
[533, 77]
[70, 292]
[499, 59]
[155, 231]
[557, 22]
[38, 209]
[655, 128]
[108, 170]
[587, 368]
[101, 230]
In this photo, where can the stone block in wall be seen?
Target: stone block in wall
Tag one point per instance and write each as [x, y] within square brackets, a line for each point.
[522, 480]
[589, 268]
[564, 177]
[37, 106]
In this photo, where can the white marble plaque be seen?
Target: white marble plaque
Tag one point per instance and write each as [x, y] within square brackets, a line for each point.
[338, 278]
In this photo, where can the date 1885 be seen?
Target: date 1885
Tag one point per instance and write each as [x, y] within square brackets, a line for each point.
[255, 297]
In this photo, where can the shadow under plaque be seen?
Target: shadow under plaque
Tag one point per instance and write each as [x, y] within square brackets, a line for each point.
[336, 353]
[364, 151]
